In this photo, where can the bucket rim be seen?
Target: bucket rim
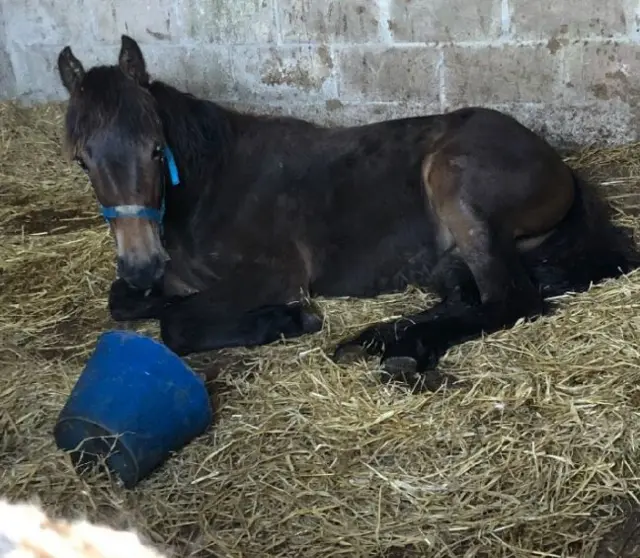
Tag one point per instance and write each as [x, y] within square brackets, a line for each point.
[83, 420]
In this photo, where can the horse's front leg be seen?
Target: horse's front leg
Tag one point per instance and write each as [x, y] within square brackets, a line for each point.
[197, 324]
[251, 306]
[129, 304]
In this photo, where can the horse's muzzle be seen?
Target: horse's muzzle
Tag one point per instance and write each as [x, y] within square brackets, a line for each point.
[142, 276]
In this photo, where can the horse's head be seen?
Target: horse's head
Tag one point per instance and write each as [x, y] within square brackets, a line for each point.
[113, 131]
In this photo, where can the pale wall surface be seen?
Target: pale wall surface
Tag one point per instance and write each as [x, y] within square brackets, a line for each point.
[569, 68]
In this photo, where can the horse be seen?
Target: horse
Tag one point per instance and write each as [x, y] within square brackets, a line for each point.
[227, 225]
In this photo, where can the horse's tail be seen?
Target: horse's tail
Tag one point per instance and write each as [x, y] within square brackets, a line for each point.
[586, 248]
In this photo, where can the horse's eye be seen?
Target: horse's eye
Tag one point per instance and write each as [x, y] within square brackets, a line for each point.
[158, 152]
[81, 164]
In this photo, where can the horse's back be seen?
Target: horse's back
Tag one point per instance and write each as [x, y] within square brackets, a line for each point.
[357, 198]
[351, 197]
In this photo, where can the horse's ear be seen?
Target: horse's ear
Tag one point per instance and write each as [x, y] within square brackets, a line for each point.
[70, 69]
[132, 62]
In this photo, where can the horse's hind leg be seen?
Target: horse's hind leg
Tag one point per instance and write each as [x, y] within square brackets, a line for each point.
[506, 294]
[453, 281]
[480, 204]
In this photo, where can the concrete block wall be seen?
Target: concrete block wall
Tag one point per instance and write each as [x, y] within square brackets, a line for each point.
[568, 68]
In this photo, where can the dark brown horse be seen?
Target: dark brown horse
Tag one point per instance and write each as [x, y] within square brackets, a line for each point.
[225, 223]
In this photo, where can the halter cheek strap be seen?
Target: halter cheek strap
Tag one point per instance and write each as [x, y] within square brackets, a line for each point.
[171, 164]
[141, 211]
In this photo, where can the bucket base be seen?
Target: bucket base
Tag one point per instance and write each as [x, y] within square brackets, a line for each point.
[92, 447]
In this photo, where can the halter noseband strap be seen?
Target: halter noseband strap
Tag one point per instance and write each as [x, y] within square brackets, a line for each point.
[141, 211]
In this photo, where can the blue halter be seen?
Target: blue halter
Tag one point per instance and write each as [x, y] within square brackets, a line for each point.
[141, 211]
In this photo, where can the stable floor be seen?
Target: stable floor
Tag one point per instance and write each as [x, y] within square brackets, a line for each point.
[539, 458]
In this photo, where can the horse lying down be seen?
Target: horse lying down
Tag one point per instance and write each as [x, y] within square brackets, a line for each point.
[227, 224]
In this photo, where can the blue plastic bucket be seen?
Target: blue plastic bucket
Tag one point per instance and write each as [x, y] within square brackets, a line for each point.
[134, 403]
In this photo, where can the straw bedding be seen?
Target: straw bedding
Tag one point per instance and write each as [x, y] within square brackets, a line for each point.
[539, 457]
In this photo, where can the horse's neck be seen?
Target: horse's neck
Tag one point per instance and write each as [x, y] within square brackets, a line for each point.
[198, 134]
[193, 126]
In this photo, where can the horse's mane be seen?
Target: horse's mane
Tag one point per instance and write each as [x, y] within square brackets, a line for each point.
[199, 131]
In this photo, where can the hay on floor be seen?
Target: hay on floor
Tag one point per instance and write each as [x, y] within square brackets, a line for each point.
[310, 459]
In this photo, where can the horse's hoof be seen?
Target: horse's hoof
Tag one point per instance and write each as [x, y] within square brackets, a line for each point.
[401, 370]
[311, 322]
[405, 370]
[400, 365]
[348, 353]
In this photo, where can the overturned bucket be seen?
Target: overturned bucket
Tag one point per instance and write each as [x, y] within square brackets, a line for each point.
[134, 404]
